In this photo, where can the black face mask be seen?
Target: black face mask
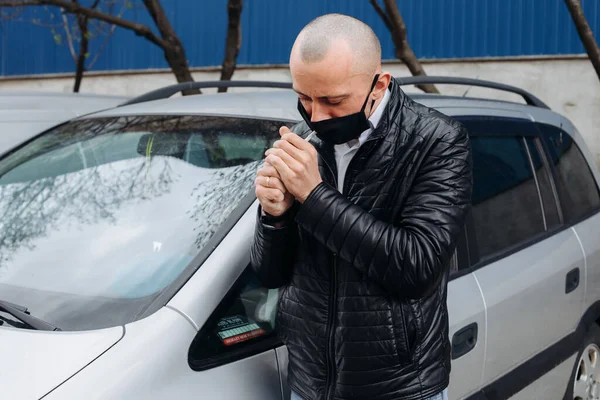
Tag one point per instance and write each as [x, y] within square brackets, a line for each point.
[341, 129]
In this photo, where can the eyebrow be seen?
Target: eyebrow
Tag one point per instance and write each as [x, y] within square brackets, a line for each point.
[338, 96]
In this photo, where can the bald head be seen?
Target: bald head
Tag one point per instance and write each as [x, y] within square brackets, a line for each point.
[318, 37]
[333, 64]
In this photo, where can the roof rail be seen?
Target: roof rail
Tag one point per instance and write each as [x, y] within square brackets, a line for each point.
[168, 91]
[417, 80]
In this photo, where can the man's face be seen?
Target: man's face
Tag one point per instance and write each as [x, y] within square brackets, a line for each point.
[330, 88]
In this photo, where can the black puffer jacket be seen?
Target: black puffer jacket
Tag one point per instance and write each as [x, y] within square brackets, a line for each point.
[363, 305]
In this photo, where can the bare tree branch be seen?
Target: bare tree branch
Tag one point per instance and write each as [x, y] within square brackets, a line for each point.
[381, 12]
[169, 42]
[174, 52]
[233, 41]
[103, 45]
[393, 20]
[73, 8]
[69, 36]
[108, 34]
[47, 25]
[83, 24]
[585, 33]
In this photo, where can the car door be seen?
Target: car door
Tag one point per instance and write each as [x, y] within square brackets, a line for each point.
[467, 327]
[527, 265]
[580, 197]
[232, 355]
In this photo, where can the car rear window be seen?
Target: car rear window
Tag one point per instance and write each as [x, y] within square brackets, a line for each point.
[506, 203]
[577, 187]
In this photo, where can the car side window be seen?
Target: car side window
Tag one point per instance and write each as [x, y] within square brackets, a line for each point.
[577, 186]
[506, 205]
[242, 325]
[544, 183]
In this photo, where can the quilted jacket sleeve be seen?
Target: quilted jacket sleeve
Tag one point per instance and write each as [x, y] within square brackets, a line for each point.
[410, 256]
[272, 253]
[273, 249]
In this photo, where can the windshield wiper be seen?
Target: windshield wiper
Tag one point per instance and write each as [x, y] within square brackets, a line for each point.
[22, 314]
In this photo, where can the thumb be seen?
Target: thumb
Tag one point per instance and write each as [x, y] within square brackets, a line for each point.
[283, 130]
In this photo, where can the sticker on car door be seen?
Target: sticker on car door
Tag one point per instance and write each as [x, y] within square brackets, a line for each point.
[237, 328]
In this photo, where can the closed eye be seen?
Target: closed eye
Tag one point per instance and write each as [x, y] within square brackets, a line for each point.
[336, 102]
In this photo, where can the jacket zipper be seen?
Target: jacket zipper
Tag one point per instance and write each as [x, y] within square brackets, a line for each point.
[330, 349]
[330, 352]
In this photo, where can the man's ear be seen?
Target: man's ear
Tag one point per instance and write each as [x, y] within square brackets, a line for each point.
[382, 84]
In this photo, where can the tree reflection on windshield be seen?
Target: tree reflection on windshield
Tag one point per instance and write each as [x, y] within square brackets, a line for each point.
[218, 197]
[33, 207]
[101, 215]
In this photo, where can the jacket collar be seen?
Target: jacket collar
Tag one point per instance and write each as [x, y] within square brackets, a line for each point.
[392, 113]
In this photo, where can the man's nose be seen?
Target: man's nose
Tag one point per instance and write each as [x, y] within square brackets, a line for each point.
[319, 113]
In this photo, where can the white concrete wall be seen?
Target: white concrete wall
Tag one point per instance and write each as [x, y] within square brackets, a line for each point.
[569, 86]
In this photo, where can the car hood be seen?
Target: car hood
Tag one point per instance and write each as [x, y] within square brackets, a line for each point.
[32, 363]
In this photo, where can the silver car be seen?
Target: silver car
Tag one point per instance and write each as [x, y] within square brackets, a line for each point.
[24, 114]
[125, 239]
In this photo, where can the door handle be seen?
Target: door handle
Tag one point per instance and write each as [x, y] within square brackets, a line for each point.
[464, 340]
[572, 280]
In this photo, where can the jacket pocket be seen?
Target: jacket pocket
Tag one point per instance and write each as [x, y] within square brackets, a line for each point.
[404, 331]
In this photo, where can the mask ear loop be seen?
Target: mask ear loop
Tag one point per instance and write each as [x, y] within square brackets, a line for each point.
[371, 90]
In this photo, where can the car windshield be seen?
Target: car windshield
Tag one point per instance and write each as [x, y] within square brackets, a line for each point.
[100, 216]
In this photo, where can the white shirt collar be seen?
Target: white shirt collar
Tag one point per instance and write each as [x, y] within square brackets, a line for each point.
[373, 121]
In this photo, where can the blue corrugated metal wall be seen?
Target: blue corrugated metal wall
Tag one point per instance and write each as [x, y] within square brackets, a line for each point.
[436, 28]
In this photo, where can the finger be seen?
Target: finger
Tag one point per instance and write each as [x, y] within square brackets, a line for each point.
[268, 170]
[270, 182]
[297, 154]
[274, 171]
[291, 162]
[284, 170]
[283, 130]
[274, 208]
[269, 194]
[275, 183]
[297, 141]
[277, 208]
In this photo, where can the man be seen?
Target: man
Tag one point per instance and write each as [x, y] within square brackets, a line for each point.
[358, 225]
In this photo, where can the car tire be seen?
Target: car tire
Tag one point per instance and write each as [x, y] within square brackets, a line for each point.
[584, 383]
